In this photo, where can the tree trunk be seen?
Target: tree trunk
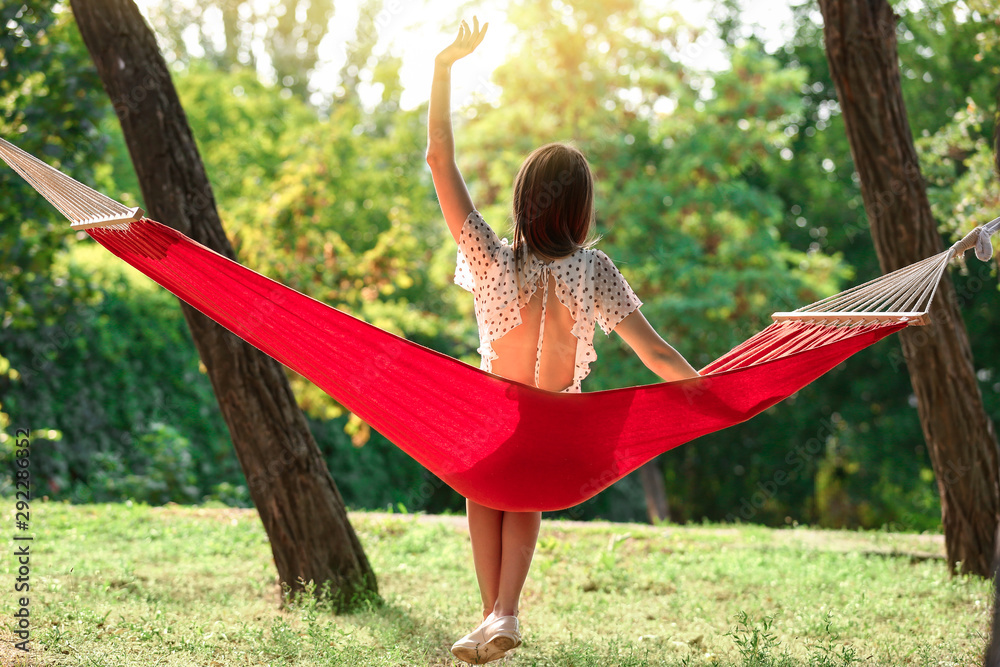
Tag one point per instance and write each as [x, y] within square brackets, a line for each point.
[298, 502]
[655, 490]
[860, 37]
[992, 656]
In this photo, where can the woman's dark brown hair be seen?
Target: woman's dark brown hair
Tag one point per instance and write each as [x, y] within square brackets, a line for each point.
[553, 203]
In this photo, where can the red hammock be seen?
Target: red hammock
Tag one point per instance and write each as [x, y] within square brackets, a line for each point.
[503, 444]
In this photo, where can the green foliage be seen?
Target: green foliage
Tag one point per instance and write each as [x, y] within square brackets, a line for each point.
[50, 101]
[167, 472]
[120, 383]
[371, 472]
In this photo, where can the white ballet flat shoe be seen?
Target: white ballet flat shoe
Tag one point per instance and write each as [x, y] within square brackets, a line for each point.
[504, 632]
[490, 641]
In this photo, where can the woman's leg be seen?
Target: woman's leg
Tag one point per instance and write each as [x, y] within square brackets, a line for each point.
[503, 544]
[486, 531]
[520, 533]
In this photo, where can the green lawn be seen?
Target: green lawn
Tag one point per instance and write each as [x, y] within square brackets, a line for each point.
[119, 585]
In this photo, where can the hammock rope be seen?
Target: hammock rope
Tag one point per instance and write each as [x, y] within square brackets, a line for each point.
[904, 295]
[502, 443]
[83, 206]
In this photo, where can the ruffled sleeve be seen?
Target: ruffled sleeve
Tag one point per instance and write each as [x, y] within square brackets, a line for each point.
[478, 246]
[615, 299]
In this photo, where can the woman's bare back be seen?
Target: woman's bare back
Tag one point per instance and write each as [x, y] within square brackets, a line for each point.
[517, 348]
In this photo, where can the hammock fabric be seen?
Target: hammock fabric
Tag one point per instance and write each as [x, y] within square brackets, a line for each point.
[503, 444]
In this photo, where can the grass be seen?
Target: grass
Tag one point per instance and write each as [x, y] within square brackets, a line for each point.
[121, 585]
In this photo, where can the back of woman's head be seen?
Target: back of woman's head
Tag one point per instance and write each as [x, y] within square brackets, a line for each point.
[553, 202]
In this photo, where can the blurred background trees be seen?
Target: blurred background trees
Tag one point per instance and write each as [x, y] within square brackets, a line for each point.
[725, 193]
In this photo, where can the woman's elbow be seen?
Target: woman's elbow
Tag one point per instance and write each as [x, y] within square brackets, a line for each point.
[438, 155]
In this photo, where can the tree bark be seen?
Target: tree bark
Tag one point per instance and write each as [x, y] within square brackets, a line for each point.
[298, 502]
[860, 37]
[992, 655]
[655, 490]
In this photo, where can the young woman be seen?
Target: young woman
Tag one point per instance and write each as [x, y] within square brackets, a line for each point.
[537, 302]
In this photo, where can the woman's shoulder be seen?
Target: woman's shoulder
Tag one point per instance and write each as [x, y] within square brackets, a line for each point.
[603, 261]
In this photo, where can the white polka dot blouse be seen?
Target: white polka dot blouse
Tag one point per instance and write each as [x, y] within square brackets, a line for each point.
[587, 282]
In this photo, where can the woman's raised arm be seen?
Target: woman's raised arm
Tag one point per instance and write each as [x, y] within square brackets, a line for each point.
[453, 195]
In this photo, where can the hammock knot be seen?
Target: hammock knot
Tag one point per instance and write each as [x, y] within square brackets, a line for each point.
[978, 238]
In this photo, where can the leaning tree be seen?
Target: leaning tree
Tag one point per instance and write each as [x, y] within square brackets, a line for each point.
[298, 502]
[861, 49]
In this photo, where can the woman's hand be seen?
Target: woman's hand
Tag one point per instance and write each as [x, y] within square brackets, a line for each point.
[466, 42]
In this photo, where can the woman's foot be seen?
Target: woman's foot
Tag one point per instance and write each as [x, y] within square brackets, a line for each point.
[490, 641]
[504, 632]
